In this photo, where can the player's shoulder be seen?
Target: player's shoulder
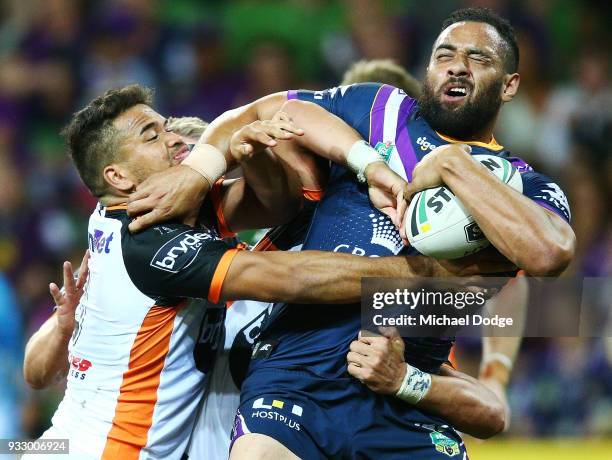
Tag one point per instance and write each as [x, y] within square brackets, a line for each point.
[165, 245]
[542, 188]
[355, 95]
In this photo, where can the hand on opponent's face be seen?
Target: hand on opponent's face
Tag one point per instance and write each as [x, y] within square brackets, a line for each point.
[176, 193]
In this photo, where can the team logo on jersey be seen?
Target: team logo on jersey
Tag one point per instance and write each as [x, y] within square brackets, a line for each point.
[553, 194]
[444, 444]
[179, 252]
[385, 149]
[425, 144]
[385, 234]
[98, 242]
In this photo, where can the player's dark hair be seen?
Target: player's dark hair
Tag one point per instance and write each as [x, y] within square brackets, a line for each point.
[503, 27]
[92, 138]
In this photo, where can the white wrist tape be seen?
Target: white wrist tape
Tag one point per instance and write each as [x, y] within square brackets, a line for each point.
[500, 358]
[360, 155]
[415, 385]
[208, 161]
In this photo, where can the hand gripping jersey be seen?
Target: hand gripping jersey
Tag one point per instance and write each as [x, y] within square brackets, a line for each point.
[134, 386]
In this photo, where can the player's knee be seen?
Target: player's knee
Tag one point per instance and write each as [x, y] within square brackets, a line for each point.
[254, 446]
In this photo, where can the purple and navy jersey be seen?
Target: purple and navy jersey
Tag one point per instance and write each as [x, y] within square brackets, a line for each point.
[390, 121]
[317, 336]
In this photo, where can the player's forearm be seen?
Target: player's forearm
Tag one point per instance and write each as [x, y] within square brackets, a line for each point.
[46, 356]
[518, 227]
[220, 131]
[330, 278]
[269, 183]
[465, 403]
[312, 276]
[324, 133]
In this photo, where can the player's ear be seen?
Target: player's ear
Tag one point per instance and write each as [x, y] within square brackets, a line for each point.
[118, 177]
[510, 86]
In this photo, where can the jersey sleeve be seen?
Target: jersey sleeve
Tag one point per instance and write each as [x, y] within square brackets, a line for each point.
[175, 260]
[211, 212]
[546, 193]
[352, 103]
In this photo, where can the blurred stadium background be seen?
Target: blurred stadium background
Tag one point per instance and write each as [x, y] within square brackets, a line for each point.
[204, 57]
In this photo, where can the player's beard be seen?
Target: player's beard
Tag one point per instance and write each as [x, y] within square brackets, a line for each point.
[466, 120]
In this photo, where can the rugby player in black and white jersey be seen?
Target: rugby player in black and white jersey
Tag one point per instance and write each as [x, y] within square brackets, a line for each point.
[135, 380]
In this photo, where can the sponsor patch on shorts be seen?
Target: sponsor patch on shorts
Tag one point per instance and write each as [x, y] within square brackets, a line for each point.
[279, 411]
[444, 444]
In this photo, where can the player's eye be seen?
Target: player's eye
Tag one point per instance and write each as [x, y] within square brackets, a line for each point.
[443, 57]
[480, 59]
[154, 138]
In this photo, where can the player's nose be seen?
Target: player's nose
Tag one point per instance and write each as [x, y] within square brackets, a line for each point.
[458, 67]
[172, 139]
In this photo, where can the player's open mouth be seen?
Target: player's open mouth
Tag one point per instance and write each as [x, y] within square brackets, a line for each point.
[181, 154]
[455, 92]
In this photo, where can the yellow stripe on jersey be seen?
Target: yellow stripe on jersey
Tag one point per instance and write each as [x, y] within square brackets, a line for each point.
[493, 145]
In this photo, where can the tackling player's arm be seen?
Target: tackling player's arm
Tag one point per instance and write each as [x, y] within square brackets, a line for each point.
[175, 260]
[535, 238]
[461, 400]
[46, 353]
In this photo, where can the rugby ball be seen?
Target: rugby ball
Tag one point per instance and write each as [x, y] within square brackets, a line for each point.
[438, 225]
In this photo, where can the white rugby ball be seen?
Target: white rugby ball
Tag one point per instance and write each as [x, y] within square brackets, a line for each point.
[438, 225]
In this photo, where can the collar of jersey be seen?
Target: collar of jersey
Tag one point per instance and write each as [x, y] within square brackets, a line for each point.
[492, 145]
[117, 207]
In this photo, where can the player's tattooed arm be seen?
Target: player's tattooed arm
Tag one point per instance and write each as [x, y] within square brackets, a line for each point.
[529, 235]
[46, 354]
[468, 405]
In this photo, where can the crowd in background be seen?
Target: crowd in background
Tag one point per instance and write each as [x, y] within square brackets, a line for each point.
[204, 57]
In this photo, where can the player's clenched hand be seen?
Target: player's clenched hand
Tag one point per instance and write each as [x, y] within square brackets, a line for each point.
[378, 361]
[176, 193]
[68, 298]
[255, 137]
[387, 191]
[426, 174]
